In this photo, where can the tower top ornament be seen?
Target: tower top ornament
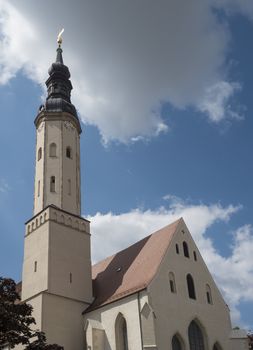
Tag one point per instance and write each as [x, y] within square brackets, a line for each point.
[59, 37]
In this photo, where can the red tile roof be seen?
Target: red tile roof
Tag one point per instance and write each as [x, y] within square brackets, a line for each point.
[130, 270]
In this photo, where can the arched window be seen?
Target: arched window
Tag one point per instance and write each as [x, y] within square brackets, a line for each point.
[196, 339]
[52, 150]
[217, 346]
[190, 285]
[176, 343]
[68, 152]
[172, 282]
[121, 333]
[39, 153]
[52, 184]
[209, 294]
[186, 250]
[177, 248]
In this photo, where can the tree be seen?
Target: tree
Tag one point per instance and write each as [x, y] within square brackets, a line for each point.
[16, 321]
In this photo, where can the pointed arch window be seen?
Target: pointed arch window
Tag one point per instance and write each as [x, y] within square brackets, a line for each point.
[209, 294]
[176, 343]
[121, 333]
[196, 338]
[69, 152]
[186, 250]
[191, 287]
[52, 184]
[52, 149]
[172, 282]
[217, 346]
[39, 154]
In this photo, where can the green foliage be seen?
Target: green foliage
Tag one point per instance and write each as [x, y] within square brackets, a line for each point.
[17, 322]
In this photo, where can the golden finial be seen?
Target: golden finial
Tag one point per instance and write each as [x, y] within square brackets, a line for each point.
[59, 38]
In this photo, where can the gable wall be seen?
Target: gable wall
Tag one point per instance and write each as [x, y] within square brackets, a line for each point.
[174, 312]
[106, 317]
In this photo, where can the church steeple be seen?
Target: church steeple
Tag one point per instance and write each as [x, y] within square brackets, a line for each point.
[59, 87]
[56, 277]
[59, 58]
[57, 170]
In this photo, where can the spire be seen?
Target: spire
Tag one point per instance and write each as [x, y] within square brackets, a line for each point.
[59, 58]
[59, 85]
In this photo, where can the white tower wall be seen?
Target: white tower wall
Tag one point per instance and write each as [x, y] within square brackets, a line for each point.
[58, 156]
[56, 278]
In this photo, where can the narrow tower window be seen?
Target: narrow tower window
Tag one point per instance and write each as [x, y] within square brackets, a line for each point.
[186, 250]
[177, 248]
[68, 152]
[35, 266]
[69, 187]
[38, 188]
[52, 184]
[70, 277]
[39, 153]
[52, 150]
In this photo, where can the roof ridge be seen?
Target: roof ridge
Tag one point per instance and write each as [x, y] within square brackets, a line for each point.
[131, 269]
[131, 245]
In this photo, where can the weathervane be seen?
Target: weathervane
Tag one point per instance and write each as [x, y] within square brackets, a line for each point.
[59, 38]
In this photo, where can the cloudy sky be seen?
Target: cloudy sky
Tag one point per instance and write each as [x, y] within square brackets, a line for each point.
[164, 91]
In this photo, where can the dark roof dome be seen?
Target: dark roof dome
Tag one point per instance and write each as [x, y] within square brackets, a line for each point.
[59, 87]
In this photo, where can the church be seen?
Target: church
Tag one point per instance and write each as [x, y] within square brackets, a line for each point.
[156, 294]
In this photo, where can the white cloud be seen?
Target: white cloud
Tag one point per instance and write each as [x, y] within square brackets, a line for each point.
[126, 59]
[216, 101]
[234, 274]
[245, 7]
[4, 187]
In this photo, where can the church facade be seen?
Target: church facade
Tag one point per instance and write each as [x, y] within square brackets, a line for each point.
[155, 294]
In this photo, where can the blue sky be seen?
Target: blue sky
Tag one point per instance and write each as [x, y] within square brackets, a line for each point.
[167, 127]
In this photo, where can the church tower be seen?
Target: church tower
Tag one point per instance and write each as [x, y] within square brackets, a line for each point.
[56, 277]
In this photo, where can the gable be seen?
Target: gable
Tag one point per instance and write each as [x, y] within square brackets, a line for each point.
[131, 269]
[183, 274]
